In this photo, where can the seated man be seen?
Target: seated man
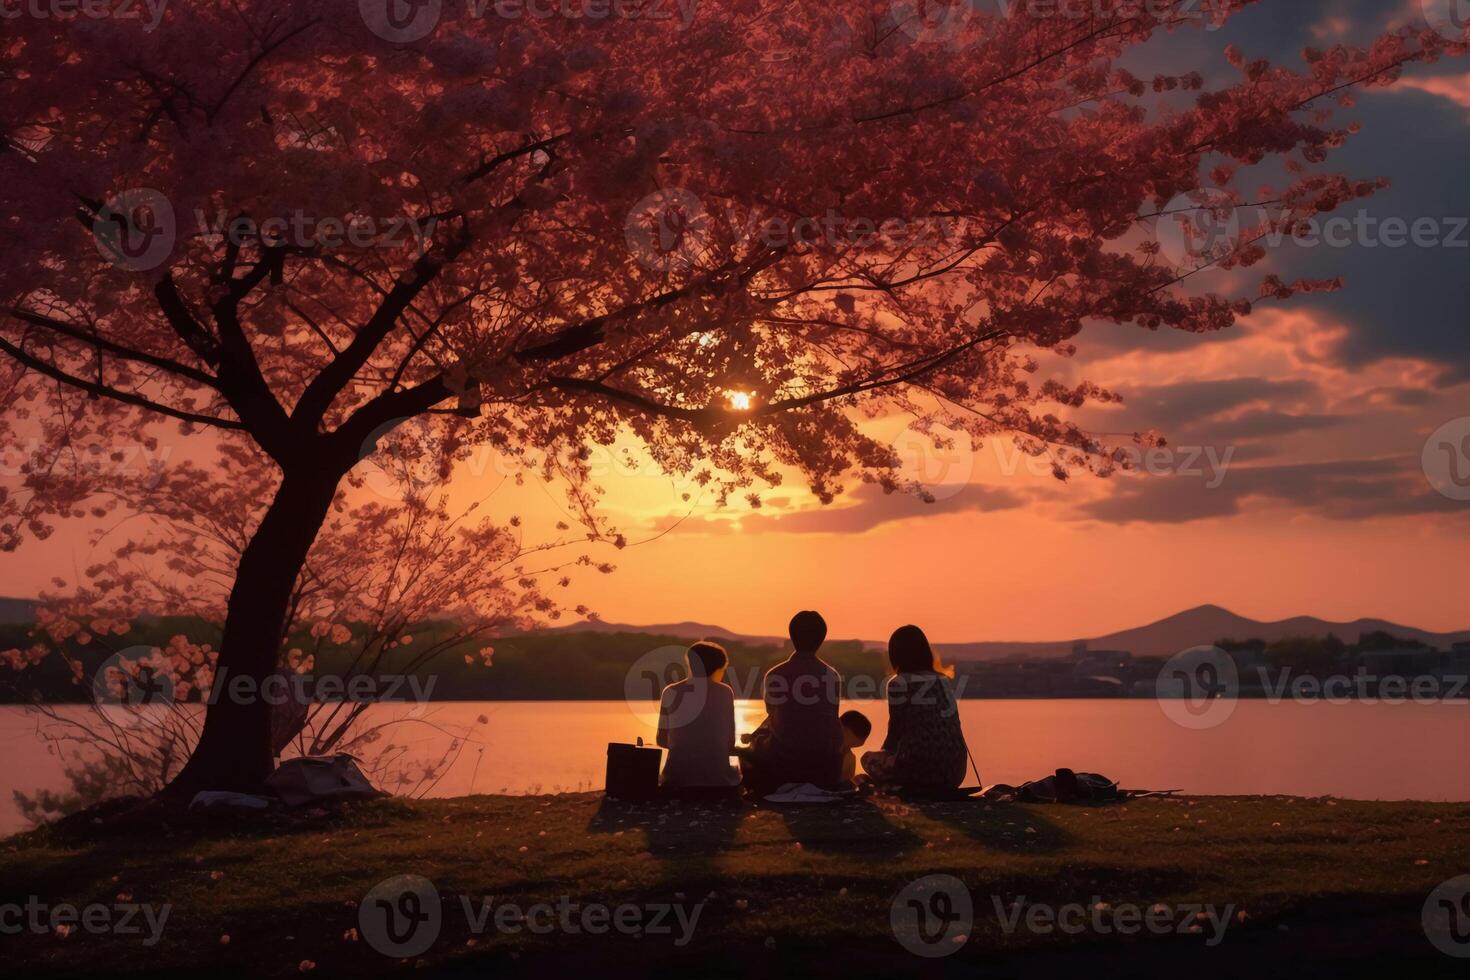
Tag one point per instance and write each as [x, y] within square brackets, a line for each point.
[803, 742]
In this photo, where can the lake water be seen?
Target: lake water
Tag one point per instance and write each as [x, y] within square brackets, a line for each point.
[1349, 750]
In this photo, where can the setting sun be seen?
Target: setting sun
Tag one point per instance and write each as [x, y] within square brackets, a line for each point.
[741, 401]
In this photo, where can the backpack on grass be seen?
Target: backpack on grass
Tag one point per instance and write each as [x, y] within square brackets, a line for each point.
[1063, 786]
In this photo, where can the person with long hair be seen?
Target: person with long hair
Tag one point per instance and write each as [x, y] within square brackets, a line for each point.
[925, 748]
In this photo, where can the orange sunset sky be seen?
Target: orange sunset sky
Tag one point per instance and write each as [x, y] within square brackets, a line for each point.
[1293, 486]
[1296, 484]
[1323, 509]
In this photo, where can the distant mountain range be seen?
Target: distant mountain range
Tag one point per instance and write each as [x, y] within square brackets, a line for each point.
[683, 631]
[1193, 627]
[1206, 624]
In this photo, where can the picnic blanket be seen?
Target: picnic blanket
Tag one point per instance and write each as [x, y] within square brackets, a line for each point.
[805, 793]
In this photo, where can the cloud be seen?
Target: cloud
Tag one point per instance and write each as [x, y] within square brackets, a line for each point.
[1351, 489]
[1456, 88]
[1410, 397]
[1397, 302]
[1103, 338]
[1189, 402]
[1400, 299]
[861, 509]
[1225, 411]
[1257, 425]
[1331, 29]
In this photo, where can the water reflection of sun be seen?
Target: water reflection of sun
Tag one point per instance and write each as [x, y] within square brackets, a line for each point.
[749, 713]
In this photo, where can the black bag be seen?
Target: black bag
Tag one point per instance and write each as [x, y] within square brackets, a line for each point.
[632, 771]
[1067, 786]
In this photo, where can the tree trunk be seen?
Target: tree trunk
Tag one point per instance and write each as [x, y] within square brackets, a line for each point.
[234, 751]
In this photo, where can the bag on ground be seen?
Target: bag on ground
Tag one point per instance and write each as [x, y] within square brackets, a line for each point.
[320, 779]
[1063, 786]
[1066, 786]
[632, 771]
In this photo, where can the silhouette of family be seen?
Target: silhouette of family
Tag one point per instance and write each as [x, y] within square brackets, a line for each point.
[807, 742]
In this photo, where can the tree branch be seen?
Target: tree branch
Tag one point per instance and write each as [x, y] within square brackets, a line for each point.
[95, 340]
[883, 379]
[239, 378]
[383, 414]
[184, 323]
[490, 165]
[98, 389]
[587, 386]
[325, 387]
[589, 333]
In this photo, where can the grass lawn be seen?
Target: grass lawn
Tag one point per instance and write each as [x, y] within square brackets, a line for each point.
[1303, 887]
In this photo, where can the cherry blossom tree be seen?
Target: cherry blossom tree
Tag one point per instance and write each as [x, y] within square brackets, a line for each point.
[324, 232]
[449, 581]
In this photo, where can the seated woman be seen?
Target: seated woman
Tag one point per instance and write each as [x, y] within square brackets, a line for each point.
[925, 749]
[696, 723]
